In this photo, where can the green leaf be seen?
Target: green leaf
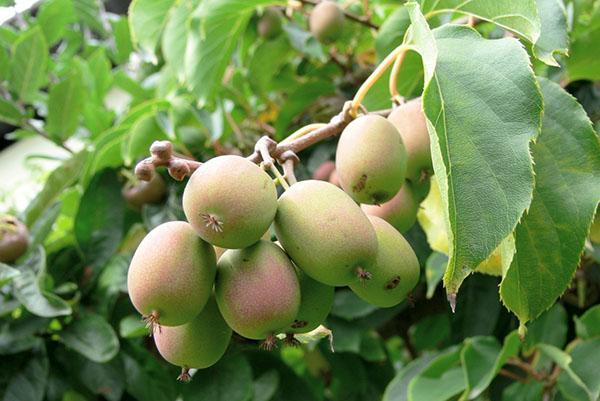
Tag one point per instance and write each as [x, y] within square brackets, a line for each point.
[266, 385]
[100, 69]
[549, 328]
[88, 12]
[216, 27]
[174, 38]
[123, 46]
[520, 16]
[441, 380]
[99, 220]
[4, 63]
[551, 236]
[528, 391]
[148, 381]
[583, 62]
[480, 137]
[583, 369]
[28, 288]
[92, 337]
[482, 358]
[268, 58]
[141, 135]
[65, 104]
[434, 270]
[217, 382]
[554, 38]
[58, 181]
[477, 308]
[397, 389]
[27, 70]
[348, 306]
[588, 325]
[430, 332]
[391, 32]
[147, 19]
[53, 17]
[29, 383]
[7, 274]
[132, 326]
[9, 113]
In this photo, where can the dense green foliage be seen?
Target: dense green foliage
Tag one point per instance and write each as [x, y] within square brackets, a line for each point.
[512, 109]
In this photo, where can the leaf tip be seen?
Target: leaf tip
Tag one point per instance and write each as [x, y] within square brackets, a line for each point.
[522, 331]
[452, 301]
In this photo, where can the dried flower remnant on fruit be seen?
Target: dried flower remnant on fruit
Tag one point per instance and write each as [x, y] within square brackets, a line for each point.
[291, 340]
[213, 222]
[270, 343]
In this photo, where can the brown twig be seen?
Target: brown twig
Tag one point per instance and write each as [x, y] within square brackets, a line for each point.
[45, 135]
[511, 375]
[526, 368]
[178, 166]
[365, 20]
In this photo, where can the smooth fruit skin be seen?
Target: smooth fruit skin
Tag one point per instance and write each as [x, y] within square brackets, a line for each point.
[325, 232]
[269, 24]
[396, 271]
[316, 300]
[400, 211]
[14, 239]
[409, 119]
[370, 160]
[198, 344]
[257, 290]
[230, 202]
[144, 192]
[171, 274]
[326, 21]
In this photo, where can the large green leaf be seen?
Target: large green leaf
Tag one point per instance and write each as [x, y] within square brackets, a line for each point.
[267, 60]
[65, 105]
[584, 61]
[554, 37]
[147, 19]
[581, 376]
[216, 27]
[440, 381]
[519, 16]
[147, 380]
[29, 382]
[588, 325]
[53, 17]
[397, 389]
[174, 38]
[550, 237]
[392, 31]
[28, 64]
[92, 337]
[7, 274]
[483, 107]
[9, 113]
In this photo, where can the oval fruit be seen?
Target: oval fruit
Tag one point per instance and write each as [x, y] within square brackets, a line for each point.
[171, 274]
[230, 202]
[326, 21]
[409, 119]
[269, 24]
[316, 300]
[257, 291]
[325, 233]
[370, 160]
[400, 211]
[198, 344]
[14, 239]
[144, 192]
[396, 270]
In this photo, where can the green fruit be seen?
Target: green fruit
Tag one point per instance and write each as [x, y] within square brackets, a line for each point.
[257, 290]
[198, 344]
[326, 21]
[144, 192]
[230, 202]
[14, 239]
[323, 172]
[421, 189]
[171, 274]
[269, 24]
[316, 300]
[371, 160]
[409, 119]
[325, 233]
[396, 271]
[400, 211]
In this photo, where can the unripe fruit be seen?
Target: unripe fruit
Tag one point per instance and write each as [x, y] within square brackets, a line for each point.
[334, 179]
[371, 160]
[325, 233]
[396, 271]
[316, 300]
[198, 344]
[323, 172]
[269, 24]
[400, 211]
[326, 21]
[257, 291]
[171, 274]
[144, 192]
[421, 189]
[230, 201]
[14, 239]
[409, 119]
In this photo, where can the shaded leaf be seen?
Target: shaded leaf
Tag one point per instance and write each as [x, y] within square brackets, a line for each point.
[92, 337]
[588, 325]
[554, 37]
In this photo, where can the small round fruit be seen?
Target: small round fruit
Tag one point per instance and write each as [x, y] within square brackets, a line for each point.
[14, 239]
[316, 300]
[396, 271]
[230, 202]
[153, 191]
[409, 119]
[371, 160]
[171, 274]
[198, 344]
[323, 172]
[325, 233]
[269, 24]
[400, 211]
[326, 21]
[257, 291]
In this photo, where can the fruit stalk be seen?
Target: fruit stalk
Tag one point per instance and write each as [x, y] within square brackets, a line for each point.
[393, 82]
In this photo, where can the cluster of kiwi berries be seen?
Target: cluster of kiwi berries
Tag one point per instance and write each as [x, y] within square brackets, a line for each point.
[194, 299]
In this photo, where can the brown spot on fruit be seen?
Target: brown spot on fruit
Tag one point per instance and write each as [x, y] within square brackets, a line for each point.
[393, 283]
[360, 185]
[298, 324]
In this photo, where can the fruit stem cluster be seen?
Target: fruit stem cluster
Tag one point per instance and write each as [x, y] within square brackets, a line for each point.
[162, 154]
